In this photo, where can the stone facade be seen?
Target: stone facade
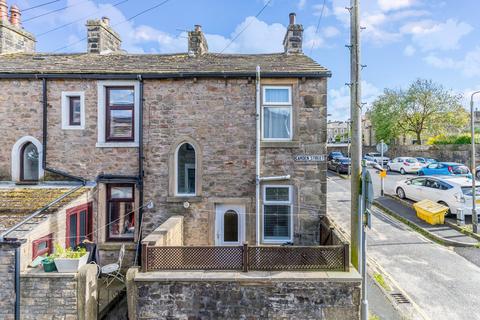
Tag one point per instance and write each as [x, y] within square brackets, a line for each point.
[101, 37]
[7, 279]
[244, 296]
[15, 39]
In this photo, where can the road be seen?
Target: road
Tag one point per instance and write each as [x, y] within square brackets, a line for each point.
[442, 283]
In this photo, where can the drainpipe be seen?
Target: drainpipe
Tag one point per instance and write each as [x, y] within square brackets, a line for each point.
[138, 254]
[17, 283]
[257, 159]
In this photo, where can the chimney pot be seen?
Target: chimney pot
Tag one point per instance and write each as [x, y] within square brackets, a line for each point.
[292, 17]
[3, 10]
[106, 20]
[198, 28]
[15, 15]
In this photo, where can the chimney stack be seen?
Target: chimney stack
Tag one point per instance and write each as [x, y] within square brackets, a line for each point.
[13, 38]
[197, 43]
[292, 42]
[101, 38]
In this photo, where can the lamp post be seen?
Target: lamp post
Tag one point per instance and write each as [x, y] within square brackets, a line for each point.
[472, 123]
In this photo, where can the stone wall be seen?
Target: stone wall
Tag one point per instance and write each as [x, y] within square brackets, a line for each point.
[169, 233]
[219, 116]
[449, 153]
[15, 39]
[7, 279]
[230, 295]
[59, 296]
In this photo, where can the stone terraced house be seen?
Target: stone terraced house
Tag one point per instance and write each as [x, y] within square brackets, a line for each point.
[133, 141]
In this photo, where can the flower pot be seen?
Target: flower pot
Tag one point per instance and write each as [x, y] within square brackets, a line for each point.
[49, 265]
[70, 264]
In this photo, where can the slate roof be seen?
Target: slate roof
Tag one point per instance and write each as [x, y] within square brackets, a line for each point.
[119, 63]
[17, 203]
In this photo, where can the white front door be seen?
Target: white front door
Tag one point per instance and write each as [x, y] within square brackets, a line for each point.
[229, 224]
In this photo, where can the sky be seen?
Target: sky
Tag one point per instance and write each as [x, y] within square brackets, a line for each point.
[403, 40]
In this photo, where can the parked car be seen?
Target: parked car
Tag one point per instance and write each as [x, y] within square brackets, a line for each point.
[477, 172]
[426, 161]
[335, 154]
[444, 168]
[340, 165]
[376, 157]
[455, 192]
[404, 165]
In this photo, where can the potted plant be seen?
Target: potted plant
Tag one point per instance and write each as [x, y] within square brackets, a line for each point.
[69, 260]
[48, 264]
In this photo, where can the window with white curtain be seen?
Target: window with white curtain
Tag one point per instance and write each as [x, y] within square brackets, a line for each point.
[277, 213]
[277, 113]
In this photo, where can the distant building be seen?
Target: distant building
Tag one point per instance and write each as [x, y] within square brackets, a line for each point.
[337, 129]
[368, 132]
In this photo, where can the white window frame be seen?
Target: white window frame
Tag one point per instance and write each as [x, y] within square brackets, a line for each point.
[101, 120]
[188, 166]
[288, 104]
[66, 110]
[289, 202]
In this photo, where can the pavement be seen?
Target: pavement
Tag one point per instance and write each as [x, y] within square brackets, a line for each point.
[443, 232]
[438, 282]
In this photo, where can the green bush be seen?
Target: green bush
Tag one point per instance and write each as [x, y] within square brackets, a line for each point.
[452, 139]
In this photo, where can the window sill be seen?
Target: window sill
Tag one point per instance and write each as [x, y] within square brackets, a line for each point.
[117, 145]
[280, 144]
[73, 128]
[183, 199]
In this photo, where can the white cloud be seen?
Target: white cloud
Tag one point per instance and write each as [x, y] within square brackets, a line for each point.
[301, 4]
[339, 99]
[387, 5]
[318, 8]
[409, 51]
[430, 35]
[469, 65]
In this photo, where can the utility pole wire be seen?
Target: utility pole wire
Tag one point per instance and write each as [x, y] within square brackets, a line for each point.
[56, 10]
[40, 5]
[248, 25]
[75, 21]
[318, 25]
[128, 19]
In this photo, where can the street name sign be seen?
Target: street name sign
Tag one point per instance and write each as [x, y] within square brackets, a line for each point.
[310, 157]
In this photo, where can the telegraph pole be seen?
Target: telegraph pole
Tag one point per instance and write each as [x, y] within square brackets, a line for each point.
[356, 120]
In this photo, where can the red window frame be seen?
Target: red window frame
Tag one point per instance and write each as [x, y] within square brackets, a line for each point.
[71, 100]
[35, 244]
[89, 223]
[109, 107]
[110, 200]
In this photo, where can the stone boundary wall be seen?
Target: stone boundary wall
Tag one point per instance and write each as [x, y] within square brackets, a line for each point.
[7, 279]
[169, 233]
[233, 295]
[59, 295]
[452, 152]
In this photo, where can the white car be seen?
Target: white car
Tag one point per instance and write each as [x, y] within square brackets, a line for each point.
[404, 165]
[455, 192]
[376, 157]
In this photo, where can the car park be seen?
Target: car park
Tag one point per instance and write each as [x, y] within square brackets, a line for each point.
[376, 157]
[404, 165]
[340, 165]
[455, 192]
[335, 154]
[444, 168]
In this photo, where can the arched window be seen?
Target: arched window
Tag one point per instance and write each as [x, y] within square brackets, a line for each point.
[185, 169]
[29, 162]
[230, 226]
[26, 157]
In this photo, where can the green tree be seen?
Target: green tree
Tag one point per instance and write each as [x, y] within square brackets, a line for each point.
[426, 107]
